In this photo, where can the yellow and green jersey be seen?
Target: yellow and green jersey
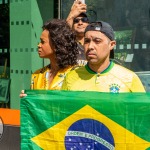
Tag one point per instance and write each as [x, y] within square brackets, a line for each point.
[40, 79]
[114, 79]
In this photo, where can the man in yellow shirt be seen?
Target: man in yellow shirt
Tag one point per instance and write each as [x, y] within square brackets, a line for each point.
[101, 74]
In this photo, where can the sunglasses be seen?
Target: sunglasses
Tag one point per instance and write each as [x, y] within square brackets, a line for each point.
[84, 19]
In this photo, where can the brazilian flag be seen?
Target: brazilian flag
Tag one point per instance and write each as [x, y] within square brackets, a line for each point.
[67, 120]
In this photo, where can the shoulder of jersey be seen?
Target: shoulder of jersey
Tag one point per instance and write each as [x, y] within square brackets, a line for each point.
[42, 70]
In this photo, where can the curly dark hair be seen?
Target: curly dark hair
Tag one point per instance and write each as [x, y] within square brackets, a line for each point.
[64, 40]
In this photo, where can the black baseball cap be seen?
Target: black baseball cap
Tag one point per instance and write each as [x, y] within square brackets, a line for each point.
[104, 28]
[83, 14]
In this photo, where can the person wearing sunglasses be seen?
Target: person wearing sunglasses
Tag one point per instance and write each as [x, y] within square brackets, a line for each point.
[78, 21]
[101, 73]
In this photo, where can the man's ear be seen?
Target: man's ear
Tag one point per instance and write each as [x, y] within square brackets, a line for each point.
[112, 44]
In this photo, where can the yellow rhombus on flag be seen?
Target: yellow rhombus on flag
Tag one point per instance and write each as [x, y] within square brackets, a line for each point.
[62, 136]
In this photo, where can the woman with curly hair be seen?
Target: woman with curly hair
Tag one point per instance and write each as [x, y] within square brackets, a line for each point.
[58, 44]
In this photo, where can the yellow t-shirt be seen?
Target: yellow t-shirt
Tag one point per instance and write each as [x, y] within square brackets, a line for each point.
[114, 79]
[40, 80]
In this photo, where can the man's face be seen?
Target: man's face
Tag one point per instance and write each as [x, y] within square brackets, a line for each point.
[97, 47]
[80, 23]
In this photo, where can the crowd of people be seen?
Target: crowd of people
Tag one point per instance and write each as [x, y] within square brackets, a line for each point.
[80, 55]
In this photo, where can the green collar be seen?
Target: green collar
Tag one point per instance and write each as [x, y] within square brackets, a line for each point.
[105, 71]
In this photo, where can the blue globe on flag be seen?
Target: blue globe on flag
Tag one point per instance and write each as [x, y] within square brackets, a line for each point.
[89, 134]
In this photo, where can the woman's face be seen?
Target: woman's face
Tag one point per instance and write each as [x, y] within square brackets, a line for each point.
[45, 47]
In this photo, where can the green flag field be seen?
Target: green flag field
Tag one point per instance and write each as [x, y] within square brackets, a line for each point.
[67, 120]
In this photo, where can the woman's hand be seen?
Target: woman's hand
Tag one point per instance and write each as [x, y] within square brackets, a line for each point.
[22, 94]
